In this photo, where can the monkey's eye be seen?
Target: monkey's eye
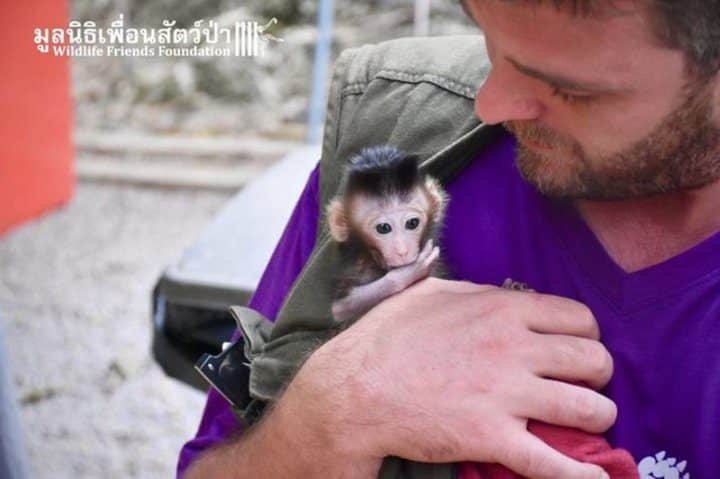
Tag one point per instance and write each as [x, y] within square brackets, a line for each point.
[383, 228]
[412, 223]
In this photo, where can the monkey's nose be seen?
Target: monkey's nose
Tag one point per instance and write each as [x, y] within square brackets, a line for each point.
[399, 258]
[405, 258]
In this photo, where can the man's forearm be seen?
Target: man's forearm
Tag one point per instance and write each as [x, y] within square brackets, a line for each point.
[287, 443]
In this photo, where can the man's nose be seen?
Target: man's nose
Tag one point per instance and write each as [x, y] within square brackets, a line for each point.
[503, 98]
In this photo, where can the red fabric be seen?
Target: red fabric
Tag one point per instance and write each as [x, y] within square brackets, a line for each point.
[36, 154]
[574, 443]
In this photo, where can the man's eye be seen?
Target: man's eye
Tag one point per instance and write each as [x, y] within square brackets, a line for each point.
[412, 223]
[569, 98]
[383, 228]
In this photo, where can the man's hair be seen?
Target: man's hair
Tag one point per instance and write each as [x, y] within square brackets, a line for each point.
[692, 26]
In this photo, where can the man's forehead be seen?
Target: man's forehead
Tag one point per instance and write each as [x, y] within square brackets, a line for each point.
[588, 49]
[599, 9]
[601, 12]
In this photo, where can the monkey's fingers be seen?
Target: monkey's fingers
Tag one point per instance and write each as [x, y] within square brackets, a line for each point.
[426, 251]
[510, 283]
[428, 246]
[432, 258]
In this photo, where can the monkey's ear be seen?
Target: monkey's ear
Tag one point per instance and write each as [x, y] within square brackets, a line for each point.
[337, 220]
[437, 196]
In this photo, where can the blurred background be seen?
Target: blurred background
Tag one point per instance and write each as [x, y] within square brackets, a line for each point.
[111, 169]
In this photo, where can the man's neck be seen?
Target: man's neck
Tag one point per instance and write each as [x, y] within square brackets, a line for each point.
[641, 233]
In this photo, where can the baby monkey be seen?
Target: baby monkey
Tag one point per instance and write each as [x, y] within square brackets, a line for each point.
[385, 219]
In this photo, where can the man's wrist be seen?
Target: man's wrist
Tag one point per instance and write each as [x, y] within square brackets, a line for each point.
[310, 417]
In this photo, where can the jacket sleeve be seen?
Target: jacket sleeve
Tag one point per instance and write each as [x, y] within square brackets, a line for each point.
[296, 243]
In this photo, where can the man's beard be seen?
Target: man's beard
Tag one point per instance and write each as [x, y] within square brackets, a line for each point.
[681, 153]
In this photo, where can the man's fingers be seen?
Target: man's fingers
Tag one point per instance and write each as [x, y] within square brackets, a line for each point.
[437, 285]
[532, 458]
[571, 358]
[551, 314]
[447, 286]
[564, 404]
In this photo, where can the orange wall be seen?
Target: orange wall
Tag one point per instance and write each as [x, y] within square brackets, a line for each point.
[36, 151]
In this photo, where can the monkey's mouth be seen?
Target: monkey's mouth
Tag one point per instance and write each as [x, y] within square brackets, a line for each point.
[400, 265]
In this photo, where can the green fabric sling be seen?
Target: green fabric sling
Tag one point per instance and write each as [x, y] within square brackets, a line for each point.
[416, 94]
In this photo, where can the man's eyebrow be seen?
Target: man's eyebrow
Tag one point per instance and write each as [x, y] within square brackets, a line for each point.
[560, 81]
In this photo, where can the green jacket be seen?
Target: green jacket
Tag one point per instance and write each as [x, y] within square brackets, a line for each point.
[416, 94]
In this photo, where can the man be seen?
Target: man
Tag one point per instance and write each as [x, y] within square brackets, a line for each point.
[614, 106]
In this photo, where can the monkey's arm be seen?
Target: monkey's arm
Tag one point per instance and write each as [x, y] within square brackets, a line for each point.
[362, 298]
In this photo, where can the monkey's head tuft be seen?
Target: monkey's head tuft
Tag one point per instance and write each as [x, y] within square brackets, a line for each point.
[382, 172]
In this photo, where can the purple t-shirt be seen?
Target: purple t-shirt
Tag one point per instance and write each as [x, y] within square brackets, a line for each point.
[661, 324]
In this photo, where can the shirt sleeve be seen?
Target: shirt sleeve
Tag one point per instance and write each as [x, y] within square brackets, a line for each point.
[291, 253]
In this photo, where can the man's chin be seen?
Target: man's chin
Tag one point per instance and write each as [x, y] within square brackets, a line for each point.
[550, 174]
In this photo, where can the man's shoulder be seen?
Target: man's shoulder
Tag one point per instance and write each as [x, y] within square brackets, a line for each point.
[416, 94]
[457, 63]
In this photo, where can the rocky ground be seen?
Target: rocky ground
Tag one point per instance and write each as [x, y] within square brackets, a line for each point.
[75, 296]
[214, 96]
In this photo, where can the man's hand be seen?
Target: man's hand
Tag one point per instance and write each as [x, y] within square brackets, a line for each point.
[450, 371]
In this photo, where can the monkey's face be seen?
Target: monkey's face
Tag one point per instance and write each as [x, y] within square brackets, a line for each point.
[392, 227]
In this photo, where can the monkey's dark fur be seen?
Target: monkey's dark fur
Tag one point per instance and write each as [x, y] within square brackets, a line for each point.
[382, 172]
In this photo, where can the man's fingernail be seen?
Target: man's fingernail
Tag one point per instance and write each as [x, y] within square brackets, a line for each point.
[604, 475]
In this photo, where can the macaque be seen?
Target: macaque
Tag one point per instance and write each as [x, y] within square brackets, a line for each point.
[386, 220]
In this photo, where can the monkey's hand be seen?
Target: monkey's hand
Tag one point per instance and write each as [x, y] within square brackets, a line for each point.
[362, 298]
[404, 276]
[510, 283]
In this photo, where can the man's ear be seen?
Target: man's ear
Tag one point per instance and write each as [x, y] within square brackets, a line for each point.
[337, 220]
